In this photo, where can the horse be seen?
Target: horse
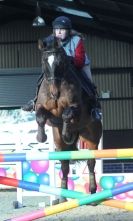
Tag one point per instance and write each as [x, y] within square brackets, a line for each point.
[63, 104]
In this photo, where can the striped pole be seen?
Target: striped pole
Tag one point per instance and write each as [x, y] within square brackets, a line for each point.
[68, 155]
[118, 204]
[74, 203]
[60, 192]
[40, 188]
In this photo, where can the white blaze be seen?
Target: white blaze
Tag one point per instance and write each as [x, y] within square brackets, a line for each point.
[51, 60]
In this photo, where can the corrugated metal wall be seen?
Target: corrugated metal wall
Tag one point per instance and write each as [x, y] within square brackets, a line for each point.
[18, 49]
[117, 81]
[109, 53]
[118, 109]
[17, 86]
[18, 41]
[18, 45]
[112, 66]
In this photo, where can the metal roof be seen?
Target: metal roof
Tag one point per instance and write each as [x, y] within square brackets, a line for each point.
[106, 18]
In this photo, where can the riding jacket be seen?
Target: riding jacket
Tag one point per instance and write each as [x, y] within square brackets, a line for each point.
[74, 47]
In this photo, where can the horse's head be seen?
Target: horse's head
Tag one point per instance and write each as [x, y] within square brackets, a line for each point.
[54, 63]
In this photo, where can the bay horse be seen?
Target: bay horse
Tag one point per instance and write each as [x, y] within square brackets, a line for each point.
[63, 104]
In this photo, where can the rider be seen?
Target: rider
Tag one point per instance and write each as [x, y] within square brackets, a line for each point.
[73, 44]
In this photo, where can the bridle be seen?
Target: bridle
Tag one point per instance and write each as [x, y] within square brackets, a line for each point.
[46, 68]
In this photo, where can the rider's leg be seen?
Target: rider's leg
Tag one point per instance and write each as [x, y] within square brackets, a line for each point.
[96, 110]
[30, 106]
[87, 70]
[96, 107]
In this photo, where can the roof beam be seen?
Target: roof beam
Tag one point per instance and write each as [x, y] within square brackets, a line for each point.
[93, 8]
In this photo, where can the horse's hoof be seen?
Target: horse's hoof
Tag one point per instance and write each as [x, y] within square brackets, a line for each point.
[62, 200]
[55, 202]
[69, 138]
[93, 204]
[41, 139]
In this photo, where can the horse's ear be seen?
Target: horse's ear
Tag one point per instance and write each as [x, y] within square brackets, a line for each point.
[41, 44]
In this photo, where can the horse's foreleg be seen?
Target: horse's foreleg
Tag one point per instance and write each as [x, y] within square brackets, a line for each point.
[70, 116]
[41, 120]
[64, 180]
[92, 179]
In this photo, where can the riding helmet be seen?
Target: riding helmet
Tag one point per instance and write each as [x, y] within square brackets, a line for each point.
[62, 22]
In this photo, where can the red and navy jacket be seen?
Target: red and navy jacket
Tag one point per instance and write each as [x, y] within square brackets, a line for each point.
[74, 47]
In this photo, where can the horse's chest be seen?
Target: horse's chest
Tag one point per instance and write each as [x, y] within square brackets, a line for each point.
[55, 107]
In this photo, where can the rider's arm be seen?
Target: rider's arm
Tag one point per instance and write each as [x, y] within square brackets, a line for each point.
[79, 58]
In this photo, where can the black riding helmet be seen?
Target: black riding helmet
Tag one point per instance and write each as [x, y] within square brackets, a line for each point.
[62, 22]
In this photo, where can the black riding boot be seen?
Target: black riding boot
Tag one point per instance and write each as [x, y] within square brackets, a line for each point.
[30, 106]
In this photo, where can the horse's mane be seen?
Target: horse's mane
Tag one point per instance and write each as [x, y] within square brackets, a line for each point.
[74, 32]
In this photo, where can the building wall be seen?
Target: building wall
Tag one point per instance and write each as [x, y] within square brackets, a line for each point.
[107, 53]
[118, 108]
[18, 45]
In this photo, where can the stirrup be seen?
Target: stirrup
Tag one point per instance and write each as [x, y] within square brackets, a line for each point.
[29, 106]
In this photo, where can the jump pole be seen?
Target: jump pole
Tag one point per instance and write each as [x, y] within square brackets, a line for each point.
[68, 155]
[61, 192]
[118, 204]
[41, 188]
[74, 203]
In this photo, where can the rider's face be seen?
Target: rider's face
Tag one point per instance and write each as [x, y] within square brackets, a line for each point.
[61, 33]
